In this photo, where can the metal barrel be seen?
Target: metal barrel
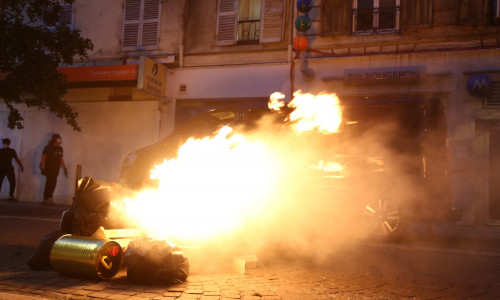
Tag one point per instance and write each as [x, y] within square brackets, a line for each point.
[86, 257]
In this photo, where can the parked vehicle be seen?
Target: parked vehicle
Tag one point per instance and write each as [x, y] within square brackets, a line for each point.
[393, 151]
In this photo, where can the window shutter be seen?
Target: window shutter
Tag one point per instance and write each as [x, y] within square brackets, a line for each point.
[473, 12]
[151, 23]
[131, 22]
[67, 14]
[416, 14]
[227, 18]
[335, 17]
[272, 21]
[444, 13]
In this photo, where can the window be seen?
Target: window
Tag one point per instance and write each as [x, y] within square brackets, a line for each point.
[342, 17]
[141, 24]
[249, 21]
[65, 16]
[375, 16]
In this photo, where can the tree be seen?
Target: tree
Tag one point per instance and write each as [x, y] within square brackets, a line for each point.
[35, 39]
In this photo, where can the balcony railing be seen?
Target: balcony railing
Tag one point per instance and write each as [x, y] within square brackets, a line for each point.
[248, 31]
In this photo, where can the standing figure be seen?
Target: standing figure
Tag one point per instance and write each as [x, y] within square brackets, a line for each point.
[52, 161]
[6, 167]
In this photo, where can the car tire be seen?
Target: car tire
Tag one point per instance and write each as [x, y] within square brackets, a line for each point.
[383, 220]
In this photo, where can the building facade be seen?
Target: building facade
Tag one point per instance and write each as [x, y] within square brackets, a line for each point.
[220, 51]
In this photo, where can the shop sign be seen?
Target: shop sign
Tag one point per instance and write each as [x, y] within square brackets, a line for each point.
[377, 75]
[100, 73]
[152, 77]
[479, 85]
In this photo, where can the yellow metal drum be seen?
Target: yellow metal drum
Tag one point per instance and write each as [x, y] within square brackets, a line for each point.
[76, 255]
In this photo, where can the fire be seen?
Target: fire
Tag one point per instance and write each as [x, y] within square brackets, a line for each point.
[212, 186]
[320, 112]
[275, 101]
[311, 112]
[217, 184]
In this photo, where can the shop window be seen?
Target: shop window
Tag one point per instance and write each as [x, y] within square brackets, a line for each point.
[141, 24]
[249, 21]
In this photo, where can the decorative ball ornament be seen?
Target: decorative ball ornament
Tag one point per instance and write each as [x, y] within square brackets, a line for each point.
[302, 23]
[304, 6]
[300, 42]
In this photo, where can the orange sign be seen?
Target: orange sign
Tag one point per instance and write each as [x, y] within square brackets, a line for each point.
[100, 73]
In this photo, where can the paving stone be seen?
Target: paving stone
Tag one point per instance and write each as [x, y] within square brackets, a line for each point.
[172, 294]
[104, 295]
[122, 292]
[189, 297]
[232, 296]
[211, 288]
[147, 295]
[205, 297]
[176, 289]
[82, 292]
[96, 287]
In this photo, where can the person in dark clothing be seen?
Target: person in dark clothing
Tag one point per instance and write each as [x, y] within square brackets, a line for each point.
[52, 161]
[6, 167]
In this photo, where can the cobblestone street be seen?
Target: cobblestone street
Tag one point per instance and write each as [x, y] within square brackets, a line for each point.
[353, 271]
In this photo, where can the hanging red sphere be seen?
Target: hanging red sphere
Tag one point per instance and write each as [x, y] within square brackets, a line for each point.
[300, 42]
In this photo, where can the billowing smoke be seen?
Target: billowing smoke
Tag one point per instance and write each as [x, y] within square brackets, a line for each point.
[277, 192]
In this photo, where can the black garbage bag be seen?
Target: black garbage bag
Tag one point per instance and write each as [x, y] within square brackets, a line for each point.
[91, 206]
[154, 261]
[40, 260]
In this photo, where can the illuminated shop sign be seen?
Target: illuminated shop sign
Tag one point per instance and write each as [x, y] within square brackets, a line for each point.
[384, 74]
[152, 77]
[100, 73]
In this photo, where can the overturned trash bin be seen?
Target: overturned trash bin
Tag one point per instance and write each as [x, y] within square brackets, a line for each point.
[83, 256]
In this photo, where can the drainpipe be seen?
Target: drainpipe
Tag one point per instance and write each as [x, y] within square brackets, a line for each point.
[181, 37]
[290, 37]
[309, 73]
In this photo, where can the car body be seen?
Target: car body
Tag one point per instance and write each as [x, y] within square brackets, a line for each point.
[392, 153]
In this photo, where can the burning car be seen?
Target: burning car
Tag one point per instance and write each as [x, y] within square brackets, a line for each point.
[387, 158]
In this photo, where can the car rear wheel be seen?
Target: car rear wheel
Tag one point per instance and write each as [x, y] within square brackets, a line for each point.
[382, 219]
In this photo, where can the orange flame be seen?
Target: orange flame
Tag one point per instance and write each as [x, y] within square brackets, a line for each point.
[320, 112]
[215, 185]
[275, 101]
